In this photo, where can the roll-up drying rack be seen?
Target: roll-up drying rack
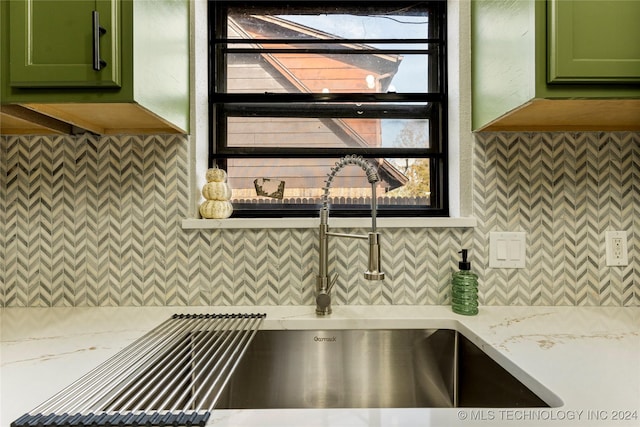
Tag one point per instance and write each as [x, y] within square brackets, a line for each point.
[172, 376]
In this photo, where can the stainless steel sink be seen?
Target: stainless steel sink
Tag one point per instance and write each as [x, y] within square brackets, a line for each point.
[396, 368]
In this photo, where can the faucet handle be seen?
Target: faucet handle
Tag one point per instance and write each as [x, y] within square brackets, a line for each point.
[333, 282]
[323, 298]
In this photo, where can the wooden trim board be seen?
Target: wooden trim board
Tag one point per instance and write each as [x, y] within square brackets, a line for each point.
[571, 115]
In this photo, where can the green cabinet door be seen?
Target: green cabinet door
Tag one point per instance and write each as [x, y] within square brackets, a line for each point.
[64, 43]
[593, 41]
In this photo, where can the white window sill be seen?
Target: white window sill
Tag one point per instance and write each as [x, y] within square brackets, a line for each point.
[262, 223]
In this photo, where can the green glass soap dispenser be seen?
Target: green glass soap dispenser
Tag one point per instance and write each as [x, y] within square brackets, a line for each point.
[464, 288]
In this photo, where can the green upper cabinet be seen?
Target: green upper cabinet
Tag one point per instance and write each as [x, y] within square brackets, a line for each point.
[593, 41]
[555, 65]
[66, 43]
[107, 66]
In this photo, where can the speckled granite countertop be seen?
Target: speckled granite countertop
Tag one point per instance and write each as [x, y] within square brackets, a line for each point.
[584, 361]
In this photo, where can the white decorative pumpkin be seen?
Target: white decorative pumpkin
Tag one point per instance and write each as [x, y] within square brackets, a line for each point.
[217, 194]
[216, 175]
[216, 190]
[216, 209]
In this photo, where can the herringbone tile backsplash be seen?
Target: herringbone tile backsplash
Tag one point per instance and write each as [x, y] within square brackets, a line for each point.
[92, 221]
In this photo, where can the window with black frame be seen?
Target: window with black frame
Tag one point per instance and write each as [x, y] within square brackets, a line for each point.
[296, 85]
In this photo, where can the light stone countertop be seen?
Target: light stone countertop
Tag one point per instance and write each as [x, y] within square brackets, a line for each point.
[584, 361]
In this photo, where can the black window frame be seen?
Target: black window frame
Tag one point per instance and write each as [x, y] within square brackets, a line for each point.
[221, 103]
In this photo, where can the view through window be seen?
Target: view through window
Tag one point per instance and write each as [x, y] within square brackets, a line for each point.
[296, 85]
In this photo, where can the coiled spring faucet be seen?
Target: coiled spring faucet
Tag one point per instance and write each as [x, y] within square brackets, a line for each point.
[323, 283]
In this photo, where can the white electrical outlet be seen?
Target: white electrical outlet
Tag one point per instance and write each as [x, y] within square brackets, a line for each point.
[616, 247]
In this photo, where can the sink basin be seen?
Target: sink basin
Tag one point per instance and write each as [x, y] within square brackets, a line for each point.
[395, 368]
[184, 368]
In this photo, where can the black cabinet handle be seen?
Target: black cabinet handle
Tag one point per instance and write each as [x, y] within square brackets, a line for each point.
[98, 63]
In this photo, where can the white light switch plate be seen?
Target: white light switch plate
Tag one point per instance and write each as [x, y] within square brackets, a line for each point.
[507, 249]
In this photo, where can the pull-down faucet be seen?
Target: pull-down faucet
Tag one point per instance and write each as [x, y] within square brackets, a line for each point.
[323, 283]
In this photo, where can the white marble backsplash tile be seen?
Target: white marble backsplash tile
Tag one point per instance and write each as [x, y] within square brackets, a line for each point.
[95, 221]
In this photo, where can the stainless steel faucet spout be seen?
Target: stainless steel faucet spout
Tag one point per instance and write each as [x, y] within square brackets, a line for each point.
[323, 284]
[373, 272]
